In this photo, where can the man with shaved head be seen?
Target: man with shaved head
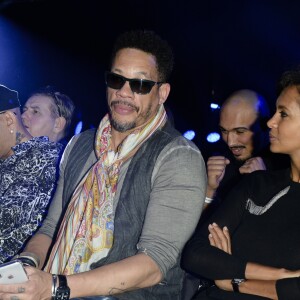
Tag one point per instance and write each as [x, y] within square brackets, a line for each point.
[243, 118]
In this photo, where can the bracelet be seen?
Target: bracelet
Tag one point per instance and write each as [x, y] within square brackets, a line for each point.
[27, 261]
[54, 287]
[208, 200]
[33, 257]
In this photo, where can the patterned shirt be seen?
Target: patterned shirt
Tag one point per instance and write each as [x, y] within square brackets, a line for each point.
[27, 182]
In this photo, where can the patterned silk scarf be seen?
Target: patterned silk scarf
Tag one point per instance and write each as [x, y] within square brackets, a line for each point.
[86, 233]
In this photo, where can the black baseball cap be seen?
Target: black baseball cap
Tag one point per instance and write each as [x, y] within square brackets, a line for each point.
[8, 98]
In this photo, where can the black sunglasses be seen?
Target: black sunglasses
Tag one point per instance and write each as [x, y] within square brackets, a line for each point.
[138, 86]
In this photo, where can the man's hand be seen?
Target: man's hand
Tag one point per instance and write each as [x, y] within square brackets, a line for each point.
[252, 164]
[38, 287]
[215, 172]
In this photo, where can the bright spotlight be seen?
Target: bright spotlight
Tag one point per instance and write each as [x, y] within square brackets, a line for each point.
[78, 127]
[190, 134]
[214, 106]
[213, 137]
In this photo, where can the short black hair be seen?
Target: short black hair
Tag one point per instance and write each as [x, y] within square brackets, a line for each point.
[149, 42]
[289, 78]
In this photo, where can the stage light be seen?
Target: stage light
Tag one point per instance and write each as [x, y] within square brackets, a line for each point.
[189, 134]
[78, 127]
[214, 106]
[213, 137]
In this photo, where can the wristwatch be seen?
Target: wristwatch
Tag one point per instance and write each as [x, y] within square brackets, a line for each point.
[62, 292]
[236, 283]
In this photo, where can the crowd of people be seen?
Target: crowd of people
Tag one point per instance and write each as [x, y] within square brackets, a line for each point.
[130, 210]
[28, 175]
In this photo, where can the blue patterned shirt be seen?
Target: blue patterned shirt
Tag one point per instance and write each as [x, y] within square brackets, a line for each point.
[27, 182]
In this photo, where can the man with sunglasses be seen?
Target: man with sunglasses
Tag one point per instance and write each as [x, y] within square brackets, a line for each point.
[48, 112]
[131, 192]
[27, 177]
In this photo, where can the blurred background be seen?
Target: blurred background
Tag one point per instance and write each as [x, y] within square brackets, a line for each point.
[219, 46]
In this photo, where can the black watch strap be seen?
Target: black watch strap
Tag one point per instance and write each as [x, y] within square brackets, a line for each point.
[62, 292]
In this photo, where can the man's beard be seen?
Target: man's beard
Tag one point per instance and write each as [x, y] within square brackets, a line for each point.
[238, 159]
[121, 127]
[126, 126]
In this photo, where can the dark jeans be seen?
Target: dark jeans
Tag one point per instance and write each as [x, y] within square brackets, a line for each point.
[190, 286]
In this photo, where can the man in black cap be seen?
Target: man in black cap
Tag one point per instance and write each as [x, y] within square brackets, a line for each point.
[9, 99]
[27, 176]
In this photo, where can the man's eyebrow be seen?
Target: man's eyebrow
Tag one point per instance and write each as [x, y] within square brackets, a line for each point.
[34, 106]
[236, 128]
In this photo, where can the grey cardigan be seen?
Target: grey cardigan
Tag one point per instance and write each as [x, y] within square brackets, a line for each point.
[133, 199]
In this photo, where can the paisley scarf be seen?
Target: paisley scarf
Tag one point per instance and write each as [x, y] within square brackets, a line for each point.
[86, 233]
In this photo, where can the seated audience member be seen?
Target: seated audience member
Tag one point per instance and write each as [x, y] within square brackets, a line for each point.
[139, 188]
[28, 175]
[243, 127]
[244, 131]
[250, 246]
[48, 113]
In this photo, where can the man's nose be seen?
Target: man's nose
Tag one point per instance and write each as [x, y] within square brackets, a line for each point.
[23, 115]
[231, 138]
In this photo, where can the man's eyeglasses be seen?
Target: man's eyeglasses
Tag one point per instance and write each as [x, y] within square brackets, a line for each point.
[138, 86]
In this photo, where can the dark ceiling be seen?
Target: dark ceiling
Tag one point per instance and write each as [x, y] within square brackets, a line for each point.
[219, 46]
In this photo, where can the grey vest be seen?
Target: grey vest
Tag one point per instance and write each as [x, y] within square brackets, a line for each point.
[131, 208]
